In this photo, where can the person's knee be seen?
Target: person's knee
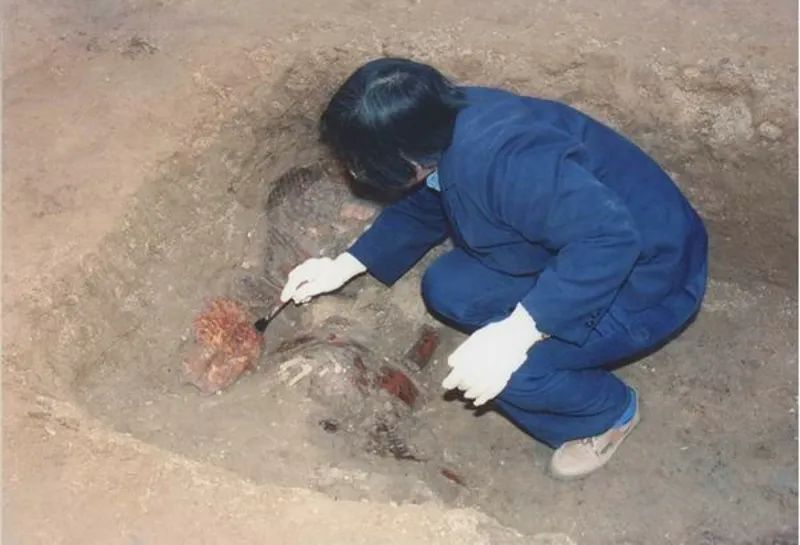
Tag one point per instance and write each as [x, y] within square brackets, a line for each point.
[448, 300]
[467, 295]
[435, 291]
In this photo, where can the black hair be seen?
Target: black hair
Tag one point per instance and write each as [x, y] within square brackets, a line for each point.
[388, 113]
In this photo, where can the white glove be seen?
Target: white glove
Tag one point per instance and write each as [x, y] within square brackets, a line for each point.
[483, 364]
[320, 275]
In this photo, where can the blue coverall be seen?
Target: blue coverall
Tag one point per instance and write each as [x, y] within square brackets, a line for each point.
[551, 209]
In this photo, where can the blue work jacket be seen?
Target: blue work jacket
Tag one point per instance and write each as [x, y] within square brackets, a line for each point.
[535, 187]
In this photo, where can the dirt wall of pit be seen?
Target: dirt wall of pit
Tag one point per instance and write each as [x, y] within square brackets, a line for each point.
[128, 130]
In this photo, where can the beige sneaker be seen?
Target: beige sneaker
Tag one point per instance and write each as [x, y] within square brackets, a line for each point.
[578, 458]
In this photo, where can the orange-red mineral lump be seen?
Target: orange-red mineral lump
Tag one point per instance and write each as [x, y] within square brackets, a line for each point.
[226, 346]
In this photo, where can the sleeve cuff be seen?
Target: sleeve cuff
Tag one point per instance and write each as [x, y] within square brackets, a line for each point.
[369, 256]
[575, 331]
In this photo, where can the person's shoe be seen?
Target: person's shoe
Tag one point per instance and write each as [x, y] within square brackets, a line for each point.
[578, 458]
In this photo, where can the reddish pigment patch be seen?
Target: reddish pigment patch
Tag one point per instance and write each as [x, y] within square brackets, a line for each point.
[227, 345]
[423, 349]
[398, 384]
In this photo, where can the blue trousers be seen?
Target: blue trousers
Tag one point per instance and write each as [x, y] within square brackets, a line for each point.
[562, 391]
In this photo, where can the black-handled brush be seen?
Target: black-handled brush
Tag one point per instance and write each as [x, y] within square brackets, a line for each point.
[262, 323]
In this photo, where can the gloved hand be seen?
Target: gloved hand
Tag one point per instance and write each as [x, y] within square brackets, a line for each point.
[483, 364]
[320, 275]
